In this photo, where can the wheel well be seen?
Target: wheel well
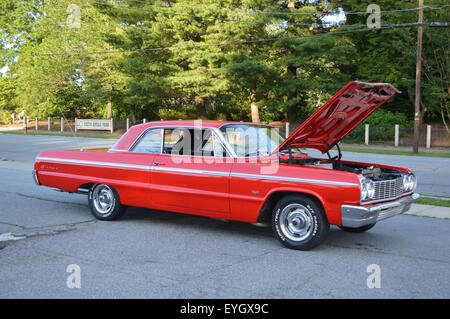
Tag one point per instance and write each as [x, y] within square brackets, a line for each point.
[85, 187]
[265, 215]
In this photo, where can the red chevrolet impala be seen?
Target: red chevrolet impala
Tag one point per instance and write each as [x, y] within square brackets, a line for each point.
[243, 171]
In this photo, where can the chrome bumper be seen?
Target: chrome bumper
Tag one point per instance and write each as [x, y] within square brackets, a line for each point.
[35, 178]
[357, 216]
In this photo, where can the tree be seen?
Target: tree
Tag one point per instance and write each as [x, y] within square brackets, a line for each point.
[254, 75]
[390, 56]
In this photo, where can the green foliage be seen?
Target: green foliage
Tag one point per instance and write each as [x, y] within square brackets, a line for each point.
[382, 127]
[280, 80]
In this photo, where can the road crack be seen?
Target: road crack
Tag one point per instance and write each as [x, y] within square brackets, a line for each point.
[49, 200]
[41, 231]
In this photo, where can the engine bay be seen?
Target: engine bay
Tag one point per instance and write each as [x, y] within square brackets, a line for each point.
[371, 172]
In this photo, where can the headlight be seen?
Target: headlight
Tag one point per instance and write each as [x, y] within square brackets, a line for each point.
[367, 189]
[409, 182]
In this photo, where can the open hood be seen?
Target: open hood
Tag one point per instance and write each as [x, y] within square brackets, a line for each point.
[341, 114]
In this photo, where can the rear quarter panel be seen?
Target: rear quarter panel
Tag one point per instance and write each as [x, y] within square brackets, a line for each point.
[128, 173]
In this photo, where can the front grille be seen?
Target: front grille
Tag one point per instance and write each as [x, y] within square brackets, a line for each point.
[388, 189]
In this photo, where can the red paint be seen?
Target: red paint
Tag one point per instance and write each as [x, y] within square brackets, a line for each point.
[231, 188]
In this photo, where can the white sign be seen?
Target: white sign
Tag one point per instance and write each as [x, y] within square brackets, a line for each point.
[88, 124]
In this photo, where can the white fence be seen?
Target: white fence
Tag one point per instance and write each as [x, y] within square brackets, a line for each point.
[394, 136]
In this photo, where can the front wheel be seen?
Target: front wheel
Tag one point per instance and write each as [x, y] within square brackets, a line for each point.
[104, 202]
[298, 222]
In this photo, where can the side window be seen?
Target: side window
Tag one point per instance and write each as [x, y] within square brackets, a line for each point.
[192, 142]
[213, 147]
[150, 143]
[173, 140]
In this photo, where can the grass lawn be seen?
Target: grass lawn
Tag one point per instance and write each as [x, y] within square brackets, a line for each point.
[433, 201]
[393, 152]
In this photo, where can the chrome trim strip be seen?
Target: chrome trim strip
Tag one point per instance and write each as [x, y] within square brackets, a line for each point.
[83, 190]
[117, 165]
[224, 143]
[230, 148]
[215, 131]
[189, 171]
[113, 150]
[35, 178]
[291, 179]
[385, 199]
[195, 171]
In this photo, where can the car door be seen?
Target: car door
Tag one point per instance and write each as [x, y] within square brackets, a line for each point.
[192, 173]
[143, 152]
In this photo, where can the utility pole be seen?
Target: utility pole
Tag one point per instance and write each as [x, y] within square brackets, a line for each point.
[418, 76]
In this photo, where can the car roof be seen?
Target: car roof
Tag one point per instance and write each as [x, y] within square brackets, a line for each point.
[128, 139]
[202, 123]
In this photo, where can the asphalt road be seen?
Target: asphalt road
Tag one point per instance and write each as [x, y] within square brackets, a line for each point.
[153, 254]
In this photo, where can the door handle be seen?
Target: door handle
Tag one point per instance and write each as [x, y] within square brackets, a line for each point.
[158, 163]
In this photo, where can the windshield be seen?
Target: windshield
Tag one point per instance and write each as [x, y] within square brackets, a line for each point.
[252, 140]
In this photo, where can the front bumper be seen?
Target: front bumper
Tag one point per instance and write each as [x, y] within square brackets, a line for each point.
[358, 216]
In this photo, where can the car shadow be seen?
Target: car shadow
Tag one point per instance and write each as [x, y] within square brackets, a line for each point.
[197, 223]
[369, 241]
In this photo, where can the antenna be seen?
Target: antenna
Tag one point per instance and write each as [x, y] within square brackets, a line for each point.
[73, 134]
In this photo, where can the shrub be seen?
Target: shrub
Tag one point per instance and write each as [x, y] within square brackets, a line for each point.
[382, 127]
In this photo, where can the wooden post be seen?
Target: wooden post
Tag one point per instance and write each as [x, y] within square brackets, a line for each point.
[128, 124]
[428, 136]
[366, 138]
[62, 124]
[144, 121]
[418, 75]
[287, 129]
[36, 125]
[76, 124]
[49, 123]
[112, 125]
[25, 125]
[397, 135]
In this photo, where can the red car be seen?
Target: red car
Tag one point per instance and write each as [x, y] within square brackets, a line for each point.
[243, 171]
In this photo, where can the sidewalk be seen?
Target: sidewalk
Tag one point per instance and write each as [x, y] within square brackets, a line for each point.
[429, 211]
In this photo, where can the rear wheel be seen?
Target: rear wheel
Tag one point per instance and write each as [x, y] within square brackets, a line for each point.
[104, 202]
[299, 222]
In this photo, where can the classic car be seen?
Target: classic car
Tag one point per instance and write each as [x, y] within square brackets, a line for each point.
[244, 172]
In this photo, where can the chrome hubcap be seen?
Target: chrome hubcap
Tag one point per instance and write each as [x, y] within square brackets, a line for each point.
[103, 199]
[296, 222]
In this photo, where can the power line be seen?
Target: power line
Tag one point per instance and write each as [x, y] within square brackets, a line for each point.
[393, 26]
[174, 5]
[323, 25]
[236, 10]
[437, 7]
[117, 6]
